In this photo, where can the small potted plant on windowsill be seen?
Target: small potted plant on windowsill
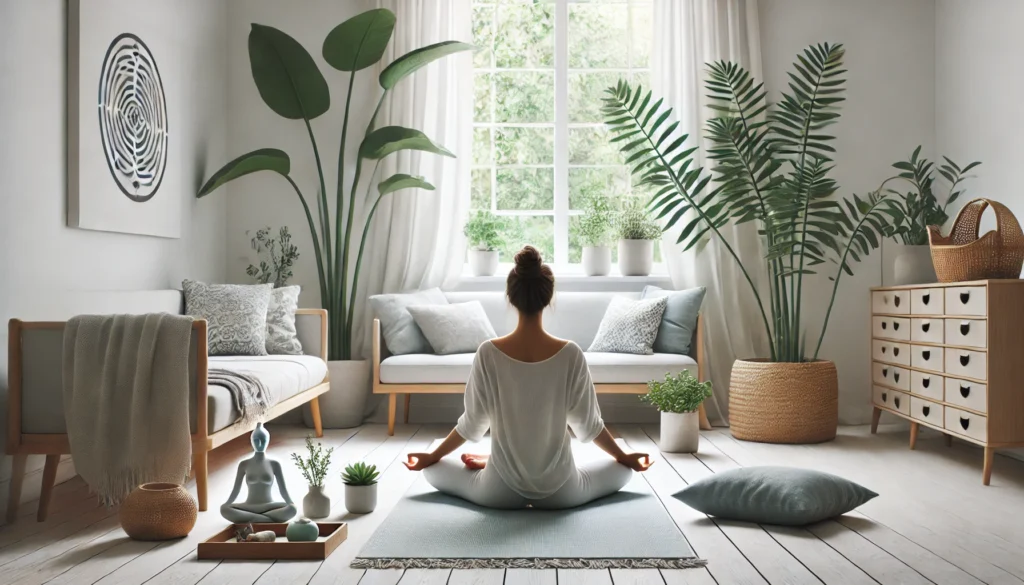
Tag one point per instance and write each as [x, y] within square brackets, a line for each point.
[360, 487]
[316, 504]
[637, 232]
[678, 398]
[595, 230]
[484, 236]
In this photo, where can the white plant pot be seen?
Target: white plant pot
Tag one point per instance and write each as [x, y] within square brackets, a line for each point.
[903, 264]
[483, 262]
[344, 406]
[680, 432]
[597, 260]
[636, 257]
[316, 504]
[360, 499]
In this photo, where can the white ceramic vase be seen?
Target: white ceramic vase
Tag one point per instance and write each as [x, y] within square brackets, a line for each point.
[636, 257]
[360, 499]
[904, 264]
[597, 260]
[316, 504]
[680, 432]
[344, 406]
[483, 262]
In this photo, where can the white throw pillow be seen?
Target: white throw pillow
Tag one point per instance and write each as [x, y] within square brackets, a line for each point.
[457, 328]
[400, 332]
[629, 326]
[282, 338]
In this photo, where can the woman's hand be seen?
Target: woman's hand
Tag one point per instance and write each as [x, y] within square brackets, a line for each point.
[420, 461]
[636, 461]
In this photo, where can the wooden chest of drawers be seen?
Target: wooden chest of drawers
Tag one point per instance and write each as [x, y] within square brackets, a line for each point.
[951, 357]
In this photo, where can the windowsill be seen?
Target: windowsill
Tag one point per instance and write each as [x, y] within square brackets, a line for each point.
[570, 280]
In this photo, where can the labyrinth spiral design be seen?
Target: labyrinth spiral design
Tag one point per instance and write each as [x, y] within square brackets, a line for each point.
[133, 117]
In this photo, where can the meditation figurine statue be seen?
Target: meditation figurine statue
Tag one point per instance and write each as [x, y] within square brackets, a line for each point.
[259, 472]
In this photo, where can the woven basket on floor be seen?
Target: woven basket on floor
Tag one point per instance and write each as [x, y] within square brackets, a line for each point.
[779, 402]
[964, 256]
[158, 511]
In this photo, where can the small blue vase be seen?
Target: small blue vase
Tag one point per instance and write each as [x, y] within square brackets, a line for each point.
[302, 530]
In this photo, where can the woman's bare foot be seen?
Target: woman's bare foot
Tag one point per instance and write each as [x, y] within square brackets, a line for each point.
[474, 461]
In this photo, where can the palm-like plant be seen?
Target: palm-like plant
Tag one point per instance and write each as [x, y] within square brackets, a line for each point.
[771, 165]
[292, 85]
[920, 207]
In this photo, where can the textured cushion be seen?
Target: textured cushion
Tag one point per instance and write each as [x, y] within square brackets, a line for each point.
[680, 317]
[401, 334]
[236, 315]
[775, 495]
[629, 326]
[457, 328]
[284, 375]
[282, 339]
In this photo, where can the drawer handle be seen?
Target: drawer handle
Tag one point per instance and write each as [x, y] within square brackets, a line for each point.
[925, 298]
[926, 381]
[896, 376]
[885, 372]
[895, 325]
[885, 397]
[964, 297]
[883, 349]
[925, 327]
[926, 410]
[965, 328]
[964, 360]
[896, 351]
[884, 325]
[965, 391]
[885, 299]
[926, 354]
[896, 401]
[965, 422]
[896, 301]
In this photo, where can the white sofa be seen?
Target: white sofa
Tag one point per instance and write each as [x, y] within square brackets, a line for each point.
[572, 315]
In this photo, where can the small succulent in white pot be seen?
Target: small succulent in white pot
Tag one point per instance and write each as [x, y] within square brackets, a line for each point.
[595, 229]
[483, 231]
[360, 487]
[637, 232]
[678, 398]
[316, 504]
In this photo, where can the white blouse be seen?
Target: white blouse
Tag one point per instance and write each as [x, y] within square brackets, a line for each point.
[528, 406]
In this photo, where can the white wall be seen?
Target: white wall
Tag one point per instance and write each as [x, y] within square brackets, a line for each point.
[42, 261]
[890, 109]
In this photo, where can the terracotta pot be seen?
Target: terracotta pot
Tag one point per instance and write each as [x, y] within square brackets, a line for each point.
[779, 402]
[158, 511]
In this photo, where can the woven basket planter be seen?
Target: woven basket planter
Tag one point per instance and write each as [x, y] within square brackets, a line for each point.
[963, 256]
[778, 402]
[158, 511]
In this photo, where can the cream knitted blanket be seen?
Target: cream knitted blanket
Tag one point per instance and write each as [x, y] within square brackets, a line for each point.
[126, 400]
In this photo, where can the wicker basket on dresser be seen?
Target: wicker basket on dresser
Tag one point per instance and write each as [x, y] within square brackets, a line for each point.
[951, 357]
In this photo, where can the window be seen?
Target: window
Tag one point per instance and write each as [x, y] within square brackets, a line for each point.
[539, 144]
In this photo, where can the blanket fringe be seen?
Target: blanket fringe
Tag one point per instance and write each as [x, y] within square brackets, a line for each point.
[423, 563]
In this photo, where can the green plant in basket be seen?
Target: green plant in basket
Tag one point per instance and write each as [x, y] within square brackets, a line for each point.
[314, 467]
[680, 393]
[360, 474]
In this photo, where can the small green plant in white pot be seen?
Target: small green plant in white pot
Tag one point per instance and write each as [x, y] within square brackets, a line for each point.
[596, 227]
[360, 487]
[678, 398]
[483, 237]
[316, 504]
[637, 232]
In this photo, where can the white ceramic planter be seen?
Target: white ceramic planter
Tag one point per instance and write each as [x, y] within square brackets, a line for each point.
[680, 432]
[483, 262]
[597, 260]
[903, 264]
[316, 504]
[360, 499]
[636, 257]
[344, 406]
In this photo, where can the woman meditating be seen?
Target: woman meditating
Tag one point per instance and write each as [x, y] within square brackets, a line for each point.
[529, 388]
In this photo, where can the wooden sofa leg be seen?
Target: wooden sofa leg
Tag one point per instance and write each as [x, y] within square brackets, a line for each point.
[408, 404]
[17, 478]
[199, 465]
[314, 411]
[392, 408]
[46, 492]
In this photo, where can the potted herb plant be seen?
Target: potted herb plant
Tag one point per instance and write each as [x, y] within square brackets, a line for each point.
[316, 504]
[291, 84]
[595, 230]
[484, 236]
[771, 168]
[678, 398]
[911, 262]
[637, 232]
[360, 487]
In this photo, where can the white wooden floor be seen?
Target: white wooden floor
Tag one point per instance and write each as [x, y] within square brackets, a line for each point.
[933, 523]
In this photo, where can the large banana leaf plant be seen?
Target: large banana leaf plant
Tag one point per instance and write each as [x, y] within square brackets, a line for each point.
[769, 165]
[292, 85]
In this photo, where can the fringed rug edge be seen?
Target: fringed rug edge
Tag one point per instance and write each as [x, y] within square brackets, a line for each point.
[508, 563]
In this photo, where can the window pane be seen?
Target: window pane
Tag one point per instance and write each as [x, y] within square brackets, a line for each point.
[481, 146]
[529, 189]
[480, 192]
[598, 35]
[591, 146]
[524, 146]
[525, 36]
[610, 182]
[586, 90]
[642, 78]
[482, 97]
[537, 231]
[483, 34]
[640, 52]
[524, 97]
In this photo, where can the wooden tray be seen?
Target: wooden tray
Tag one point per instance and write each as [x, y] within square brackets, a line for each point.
[223, 545]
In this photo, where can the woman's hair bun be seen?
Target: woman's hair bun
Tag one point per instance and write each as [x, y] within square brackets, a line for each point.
[528, 262]
[531, 284]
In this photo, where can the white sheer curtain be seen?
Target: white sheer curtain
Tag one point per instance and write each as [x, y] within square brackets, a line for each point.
[688, 34]
[416, 240]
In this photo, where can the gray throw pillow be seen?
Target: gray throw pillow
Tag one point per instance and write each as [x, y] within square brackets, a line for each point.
[679, 320]
[457, 328]
[786, 496]
[236, 315]
[629, 326]
[282, 339]
[401, 334]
